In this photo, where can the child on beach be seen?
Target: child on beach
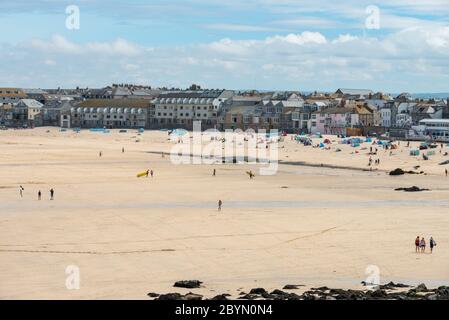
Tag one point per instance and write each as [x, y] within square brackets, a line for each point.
[219, 205]
[417, 244]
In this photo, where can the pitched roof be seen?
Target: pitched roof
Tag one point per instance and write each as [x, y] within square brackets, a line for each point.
[31, 103]
[354, 92]
[115, 103]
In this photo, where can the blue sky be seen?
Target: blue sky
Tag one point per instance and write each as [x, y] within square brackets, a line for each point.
[260, 44]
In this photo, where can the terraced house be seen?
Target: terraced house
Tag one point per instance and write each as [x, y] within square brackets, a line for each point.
[179, 109]
[12, 95]
[108, 113]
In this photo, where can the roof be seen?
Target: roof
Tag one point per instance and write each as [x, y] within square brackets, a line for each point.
[191, 94]
[34, 91]
[435, 121]
[242, 109]
[114, 103]
[30, 103]
[337, 110]
[13, 92]
[354, 92]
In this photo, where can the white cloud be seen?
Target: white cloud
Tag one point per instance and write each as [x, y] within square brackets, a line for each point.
[345, 38]
[413, 59]
[59, 44]
[304, 38]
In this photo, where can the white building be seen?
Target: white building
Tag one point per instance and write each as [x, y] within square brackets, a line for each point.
[175, 109]
[385, 114]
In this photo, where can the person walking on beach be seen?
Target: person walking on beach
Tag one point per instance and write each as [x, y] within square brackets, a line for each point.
[220, 203]
[147, 173]
[422, 245]
[123, 149]
[100, 154]
[39, 195]
[21, 189]
[151, 173]
[445, 171]
[432, 244]
[417, 244]
[52, 194]
[214, 172]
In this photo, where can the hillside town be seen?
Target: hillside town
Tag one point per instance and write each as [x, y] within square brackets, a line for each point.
[345, 112]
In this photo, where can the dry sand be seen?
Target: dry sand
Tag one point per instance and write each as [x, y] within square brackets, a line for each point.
[129, 236]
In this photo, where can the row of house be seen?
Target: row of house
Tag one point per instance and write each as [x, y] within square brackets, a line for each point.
[346, 111]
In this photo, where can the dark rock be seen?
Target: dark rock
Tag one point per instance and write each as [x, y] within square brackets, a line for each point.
[421, 288]
[392, 285]
[153, 294]
[193, 297]
[221, 297]
[379, 293]
[321, 289]
[443, 292]
[432, 296]
[279, 292]
[249, 296]
[411, 189]
[268, 296]
[189, 284]
[258, 291]
[170, 296]
[291, 287]
[397, 172]
[306, 296]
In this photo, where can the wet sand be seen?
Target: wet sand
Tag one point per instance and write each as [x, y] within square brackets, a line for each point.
[308, 225]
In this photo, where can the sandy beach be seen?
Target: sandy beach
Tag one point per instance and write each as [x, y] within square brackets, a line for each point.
[307, 224]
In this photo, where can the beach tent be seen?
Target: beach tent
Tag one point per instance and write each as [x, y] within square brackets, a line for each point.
[327, 141]
[322, 145]
[179, 132]
[354, 145]
[414, 152]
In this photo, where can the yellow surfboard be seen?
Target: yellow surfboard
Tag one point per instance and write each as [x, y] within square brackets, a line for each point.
[140, 175]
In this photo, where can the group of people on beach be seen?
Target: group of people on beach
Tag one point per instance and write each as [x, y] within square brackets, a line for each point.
[39, 193]
[420, 244]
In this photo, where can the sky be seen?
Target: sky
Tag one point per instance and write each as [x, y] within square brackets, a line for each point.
[383, 45]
